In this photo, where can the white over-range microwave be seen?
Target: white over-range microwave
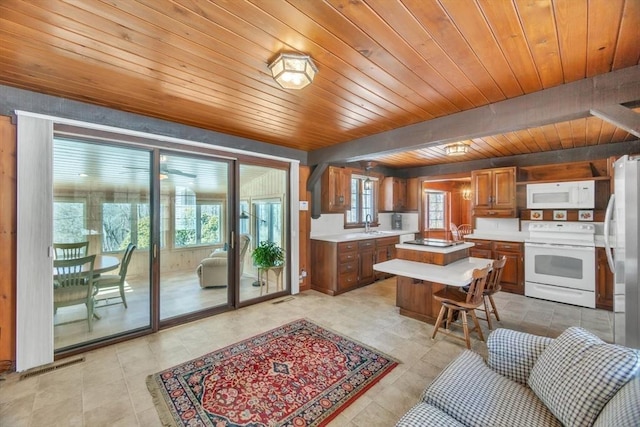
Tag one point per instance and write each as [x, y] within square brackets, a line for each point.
[561, 195]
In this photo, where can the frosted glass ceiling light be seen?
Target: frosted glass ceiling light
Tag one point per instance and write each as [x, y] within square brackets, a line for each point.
[456, 149]
[293, 71]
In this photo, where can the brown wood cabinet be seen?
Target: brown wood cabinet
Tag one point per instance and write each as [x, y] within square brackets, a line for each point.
[335, 195]
[513, 273]
[494, 193]
[414, 297]
[604, 281]
[393, 194]
[385, 250]
[344, 266]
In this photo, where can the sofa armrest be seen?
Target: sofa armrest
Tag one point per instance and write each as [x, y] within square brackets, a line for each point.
[513, 353]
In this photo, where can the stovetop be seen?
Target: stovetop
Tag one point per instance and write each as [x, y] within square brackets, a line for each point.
[439, 243]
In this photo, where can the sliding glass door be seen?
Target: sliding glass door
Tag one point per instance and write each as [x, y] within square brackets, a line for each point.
[196, 254]
[101, 204]
[264, 198]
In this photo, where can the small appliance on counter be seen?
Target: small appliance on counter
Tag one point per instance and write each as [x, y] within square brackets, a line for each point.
[396, 221]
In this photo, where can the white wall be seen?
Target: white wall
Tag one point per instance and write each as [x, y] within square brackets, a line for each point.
[329, 224]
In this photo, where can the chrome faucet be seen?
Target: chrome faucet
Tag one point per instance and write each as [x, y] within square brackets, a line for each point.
[367, 223]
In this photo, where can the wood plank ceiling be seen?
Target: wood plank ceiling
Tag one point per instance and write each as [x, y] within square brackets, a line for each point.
[383, 64]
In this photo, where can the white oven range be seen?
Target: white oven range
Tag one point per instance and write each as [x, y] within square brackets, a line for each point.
[560, 263]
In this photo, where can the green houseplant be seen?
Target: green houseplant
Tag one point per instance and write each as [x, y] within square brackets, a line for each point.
[268, 254]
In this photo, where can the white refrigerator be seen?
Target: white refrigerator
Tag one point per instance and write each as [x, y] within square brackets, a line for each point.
[622, 234]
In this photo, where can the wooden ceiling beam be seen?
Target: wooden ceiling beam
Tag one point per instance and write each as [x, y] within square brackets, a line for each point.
[620, 116]
[558, 104]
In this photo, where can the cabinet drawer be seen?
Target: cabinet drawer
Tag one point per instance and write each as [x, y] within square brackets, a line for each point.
[507, 246]
[347, 280]
[481, 244]
[348, 267]
[347, 247]
[384, 241]
[364, 244]
[347, 257]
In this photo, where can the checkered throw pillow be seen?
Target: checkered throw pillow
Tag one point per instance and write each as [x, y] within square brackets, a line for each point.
[513, 353]
[578, 373]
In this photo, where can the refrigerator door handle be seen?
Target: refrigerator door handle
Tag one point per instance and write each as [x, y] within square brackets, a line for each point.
[608, 217]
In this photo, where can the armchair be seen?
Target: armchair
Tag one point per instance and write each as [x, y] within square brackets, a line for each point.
[212, 271]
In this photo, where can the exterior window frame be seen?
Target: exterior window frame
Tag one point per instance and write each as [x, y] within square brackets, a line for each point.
[358, 202]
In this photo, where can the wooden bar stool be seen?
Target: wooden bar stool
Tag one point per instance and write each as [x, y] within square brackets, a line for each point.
[456, 300]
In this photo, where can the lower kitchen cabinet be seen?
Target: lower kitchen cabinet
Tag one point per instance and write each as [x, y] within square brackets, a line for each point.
[343, 266]
[604, 281]
[513, 273]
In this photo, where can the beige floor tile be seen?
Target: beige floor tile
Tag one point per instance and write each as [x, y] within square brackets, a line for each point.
[109, 387]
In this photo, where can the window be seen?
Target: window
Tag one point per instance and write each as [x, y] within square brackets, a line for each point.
[124, 223]
[268, 221]
[436, 206]
[69, 222]
[363, 200]
[196, 222]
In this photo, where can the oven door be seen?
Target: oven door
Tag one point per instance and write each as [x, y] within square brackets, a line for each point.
[561, 265]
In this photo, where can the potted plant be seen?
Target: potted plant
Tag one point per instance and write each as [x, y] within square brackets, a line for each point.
[267, 255]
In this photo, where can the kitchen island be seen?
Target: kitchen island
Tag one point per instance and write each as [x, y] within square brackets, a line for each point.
[417, 281]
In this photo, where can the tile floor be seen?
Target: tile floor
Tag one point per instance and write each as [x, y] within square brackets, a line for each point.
[108, 388]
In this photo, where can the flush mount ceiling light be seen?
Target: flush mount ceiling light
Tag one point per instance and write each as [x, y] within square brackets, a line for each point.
[456, 149]
[293, 71]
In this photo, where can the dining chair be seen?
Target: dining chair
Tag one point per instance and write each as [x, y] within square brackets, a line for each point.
[455, 233]
[493, 287]
[464, 229]
[455, 300]
[70, 250]
[73, 284]
[111, 281]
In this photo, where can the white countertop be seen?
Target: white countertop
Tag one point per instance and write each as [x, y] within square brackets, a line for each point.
[455, 274]
[361, 235]
[435, 249]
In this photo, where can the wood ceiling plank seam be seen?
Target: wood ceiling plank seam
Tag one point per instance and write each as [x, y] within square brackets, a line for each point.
[514, 138]
[601, 40]
[571, 26]
[475, 31]
[384, 78]
[579, 132]
[330, 58]
[354, 36]
[508, 144]
[485, 148]
[407, 26]
[507, 29]
[551, 134]
[539, 139]
[564, 134]
[361, 106]
[606, 134]
[140, 47]
[619, 135]
[594, 129]
[377, 29]
[627, 52]
[538, 24]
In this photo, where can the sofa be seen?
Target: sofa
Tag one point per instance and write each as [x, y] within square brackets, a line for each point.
[527, 380]
[212, 271]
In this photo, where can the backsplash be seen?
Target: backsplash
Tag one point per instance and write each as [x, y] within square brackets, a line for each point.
[497, 224]
[329, 224]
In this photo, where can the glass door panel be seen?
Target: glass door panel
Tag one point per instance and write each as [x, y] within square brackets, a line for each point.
[101, 199]
[263, 195]
[195, 255]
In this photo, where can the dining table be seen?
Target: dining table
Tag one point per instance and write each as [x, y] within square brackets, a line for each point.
[102, 264]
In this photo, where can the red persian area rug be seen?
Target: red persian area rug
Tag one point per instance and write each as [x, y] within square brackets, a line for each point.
[298, 374]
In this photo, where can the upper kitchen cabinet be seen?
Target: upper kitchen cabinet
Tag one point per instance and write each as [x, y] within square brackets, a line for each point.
[398, 194]
[494, 193]
[336, 190]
